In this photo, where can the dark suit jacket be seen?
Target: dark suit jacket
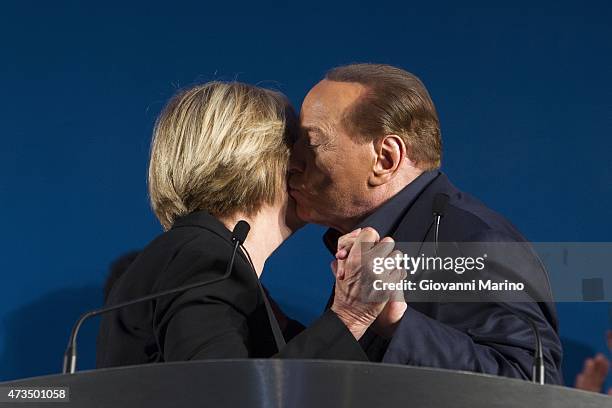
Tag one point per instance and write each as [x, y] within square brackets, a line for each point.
[477, 336]
[227, 319]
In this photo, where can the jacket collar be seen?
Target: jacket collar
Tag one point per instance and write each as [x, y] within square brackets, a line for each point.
[387, 218]
[205, 220]
[417, 220]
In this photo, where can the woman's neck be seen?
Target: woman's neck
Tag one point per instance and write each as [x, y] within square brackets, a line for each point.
[268, 231]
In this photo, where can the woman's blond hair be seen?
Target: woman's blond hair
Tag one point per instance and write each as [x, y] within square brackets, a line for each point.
[219, 147]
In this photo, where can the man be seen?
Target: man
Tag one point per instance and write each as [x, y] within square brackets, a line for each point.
[369, 155]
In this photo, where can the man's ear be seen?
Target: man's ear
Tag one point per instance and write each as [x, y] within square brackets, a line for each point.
[390, 150]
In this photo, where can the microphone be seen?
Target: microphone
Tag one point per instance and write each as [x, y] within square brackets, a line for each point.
[241, 230]
[538, 372]
[439, 208]
[439, 204]
[239, 235]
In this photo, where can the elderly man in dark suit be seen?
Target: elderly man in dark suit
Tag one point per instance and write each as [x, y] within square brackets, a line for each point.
[369, 155]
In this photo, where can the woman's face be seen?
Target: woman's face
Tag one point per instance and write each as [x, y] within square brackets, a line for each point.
[292, 220]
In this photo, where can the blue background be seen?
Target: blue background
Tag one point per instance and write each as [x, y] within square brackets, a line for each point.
[523, 92]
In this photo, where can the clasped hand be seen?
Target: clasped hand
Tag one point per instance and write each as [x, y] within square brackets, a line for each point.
[356, 301]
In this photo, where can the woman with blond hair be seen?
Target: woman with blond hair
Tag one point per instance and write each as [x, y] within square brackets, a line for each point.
[219, 155]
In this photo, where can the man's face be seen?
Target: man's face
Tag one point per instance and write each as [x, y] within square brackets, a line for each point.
[329, 168]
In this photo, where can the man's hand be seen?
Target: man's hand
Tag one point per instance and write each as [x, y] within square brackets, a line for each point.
[593, 374]
[394, 310]
[388, 320]
[356, 302]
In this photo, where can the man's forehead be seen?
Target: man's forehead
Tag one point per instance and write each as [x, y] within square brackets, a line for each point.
[329, 99]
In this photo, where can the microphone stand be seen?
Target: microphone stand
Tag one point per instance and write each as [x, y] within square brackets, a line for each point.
[70, 356]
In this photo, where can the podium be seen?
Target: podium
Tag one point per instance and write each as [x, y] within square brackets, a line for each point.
[299, 383]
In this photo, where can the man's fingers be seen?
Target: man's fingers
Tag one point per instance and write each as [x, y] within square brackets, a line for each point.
[342, 254]
[340, 271]
[398, 275]
[387, 244]
[401, 273]
[367, 238]
[345, 243]
[591, 375]
[393, 275]
[395, 254]
[384, 249]
[349, 237]
[337, 268]
[601, 365]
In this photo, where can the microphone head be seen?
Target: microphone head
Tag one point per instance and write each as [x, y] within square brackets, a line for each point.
[439, 204]
[241, 230]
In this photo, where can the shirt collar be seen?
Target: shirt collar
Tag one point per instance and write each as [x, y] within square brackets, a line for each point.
[386, 217]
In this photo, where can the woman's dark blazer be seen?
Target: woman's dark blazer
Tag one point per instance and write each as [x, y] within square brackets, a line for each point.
[227, 319]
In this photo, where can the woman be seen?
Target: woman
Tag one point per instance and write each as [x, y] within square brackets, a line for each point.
[219, 155]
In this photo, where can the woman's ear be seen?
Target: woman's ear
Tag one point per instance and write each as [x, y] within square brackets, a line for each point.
[390, 151]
